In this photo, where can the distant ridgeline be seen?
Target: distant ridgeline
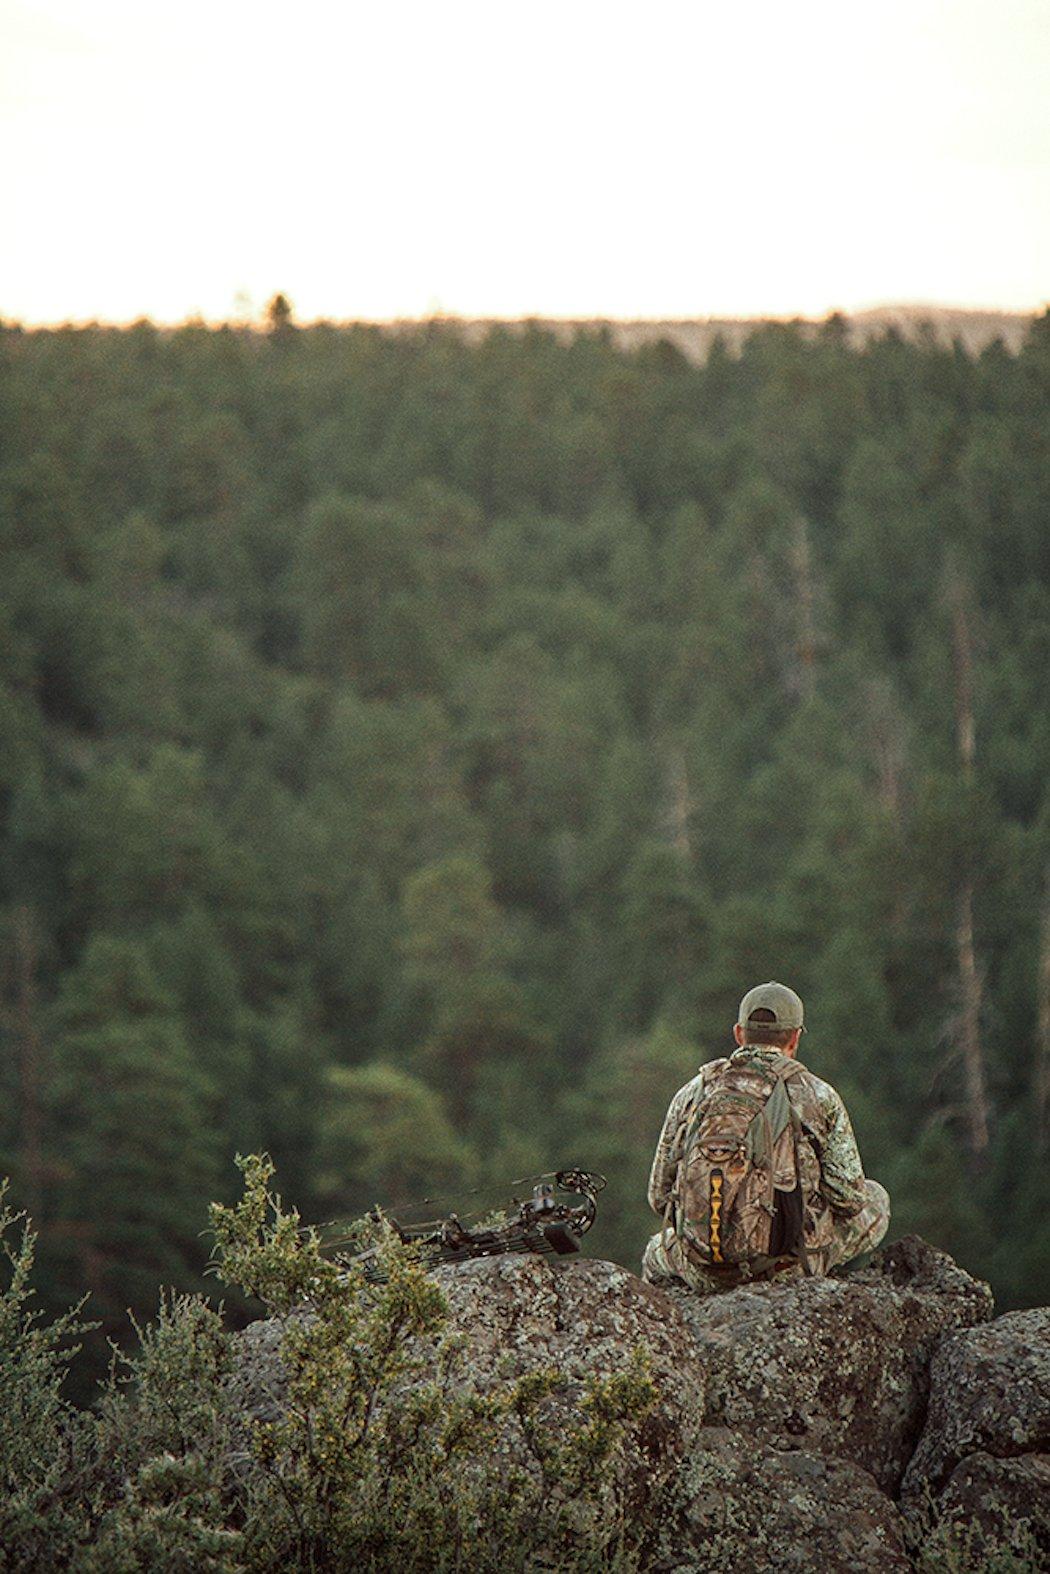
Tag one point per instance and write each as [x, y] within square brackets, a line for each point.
[693, 336]
[412, 742]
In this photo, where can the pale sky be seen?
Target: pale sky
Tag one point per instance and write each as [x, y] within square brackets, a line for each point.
[676, 158]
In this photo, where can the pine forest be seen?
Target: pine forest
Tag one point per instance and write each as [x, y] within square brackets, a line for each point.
[412, 747]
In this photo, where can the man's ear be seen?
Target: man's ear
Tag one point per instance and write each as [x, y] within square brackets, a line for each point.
[738, 1032]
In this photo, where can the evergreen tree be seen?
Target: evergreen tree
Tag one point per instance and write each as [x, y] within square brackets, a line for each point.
[129, 1148]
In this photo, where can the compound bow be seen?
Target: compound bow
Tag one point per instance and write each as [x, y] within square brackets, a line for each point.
[542, 1223]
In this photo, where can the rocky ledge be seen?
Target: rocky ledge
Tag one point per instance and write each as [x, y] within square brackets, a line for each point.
[836, 1424]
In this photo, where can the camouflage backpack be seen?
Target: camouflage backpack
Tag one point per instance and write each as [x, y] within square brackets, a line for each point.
[748, 1185]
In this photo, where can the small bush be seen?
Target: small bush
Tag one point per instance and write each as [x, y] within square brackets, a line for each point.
[42, 1437]
[375, 1461]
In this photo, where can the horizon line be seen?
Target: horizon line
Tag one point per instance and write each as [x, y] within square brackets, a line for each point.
[442, 315]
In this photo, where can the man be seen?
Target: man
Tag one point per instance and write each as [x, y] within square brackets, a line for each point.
[757, 1173]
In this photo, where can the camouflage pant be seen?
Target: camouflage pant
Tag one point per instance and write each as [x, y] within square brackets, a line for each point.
[663, 1258]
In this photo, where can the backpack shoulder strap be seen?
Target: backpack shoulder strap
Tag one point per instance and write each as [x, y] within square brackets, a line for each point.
[711, 1073]
[796, 1069]
[790, 1068]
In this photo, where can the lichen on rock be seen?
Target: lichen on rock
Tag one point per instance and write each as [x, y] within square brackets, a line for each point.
[584, 1319]
[744, 1505]
[837, 1366]
[983, 1461]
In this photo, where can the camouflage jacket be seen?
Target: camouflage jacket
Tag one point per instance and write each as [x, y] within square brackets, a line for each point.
[841, 1172]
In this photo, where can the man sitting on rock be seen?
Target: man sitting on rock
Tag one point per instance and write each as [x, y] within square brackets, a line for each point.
[757, 1173]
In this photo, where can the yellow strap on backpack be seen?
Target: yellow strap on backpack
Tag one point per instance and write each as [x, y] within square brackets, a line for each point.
[714, 1229]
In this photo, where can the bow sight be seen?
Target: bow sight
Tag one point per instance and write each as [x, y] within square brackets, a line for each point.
[542, 1223]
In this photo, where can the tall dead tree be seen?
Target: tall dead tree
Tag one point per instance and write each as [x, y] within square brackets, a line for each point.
[970, 987]
[884, 726]
[679, 803]
[1041, 1070]
[805, 608]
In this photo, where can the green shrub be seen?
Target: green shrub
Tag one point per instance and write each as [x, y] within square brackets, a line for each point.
[379, 1459]
[42, 1437]
[374, 1456]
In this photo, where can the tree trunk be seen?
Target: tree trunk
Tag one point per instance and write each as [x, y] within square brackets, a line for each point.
[679, 805]
[970, 1027]
[886, 734]
[1041, 1074]
[962, 671]
[970, 988]
[805, 615]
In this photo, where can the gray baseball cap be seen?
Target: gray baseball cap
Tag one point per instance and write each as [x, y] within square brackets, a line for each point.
[778, 998]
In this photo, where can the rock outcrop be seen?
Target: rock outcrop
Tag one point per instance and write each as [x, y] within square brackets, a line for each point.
[742, 1505]
[788, 1414]
[525, 1314]
[835, 1366]
[983, 1460]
